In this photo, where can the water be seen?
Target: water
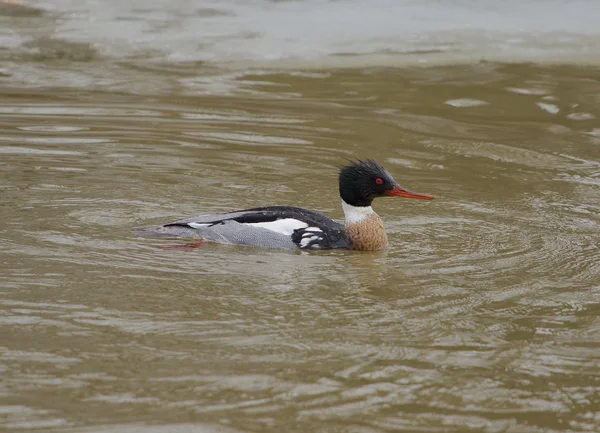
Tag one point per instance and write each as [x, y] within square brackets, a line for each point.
[482, 314]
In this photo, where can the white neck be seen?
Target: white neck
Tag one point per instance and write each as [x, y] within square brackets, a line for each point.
[356, 214]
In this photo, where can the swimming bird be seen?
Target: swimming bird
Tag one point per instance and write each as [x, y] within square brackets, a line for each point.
[290, 228]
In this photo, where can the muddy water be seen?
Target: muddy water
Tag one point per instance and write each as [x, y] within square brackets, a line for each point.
[481, 316]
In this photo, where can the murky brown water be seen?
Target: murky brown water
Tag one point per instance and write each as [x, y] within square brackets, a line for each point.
[482, 315]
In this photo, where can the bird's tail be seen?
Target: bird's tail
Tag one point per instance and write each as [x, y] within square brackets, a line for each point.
[168, 231]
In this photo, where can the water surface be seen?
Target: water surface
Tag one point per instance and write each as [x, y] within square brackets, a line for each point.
[481, 316]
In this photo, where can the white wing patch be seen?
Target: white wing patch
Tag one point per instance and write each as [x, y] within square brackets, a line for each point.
[310, 235]
[197, 225]
[284, 226]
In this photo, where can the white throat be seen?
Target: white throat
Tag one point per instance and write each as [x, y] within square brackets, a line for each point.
[356, 214]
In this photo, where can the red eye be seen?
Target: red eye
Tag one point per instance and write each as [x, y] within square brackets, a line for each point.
[379, 181]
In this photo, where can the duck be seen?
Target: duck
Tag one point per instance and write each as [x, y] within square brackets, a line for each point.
[295, 228]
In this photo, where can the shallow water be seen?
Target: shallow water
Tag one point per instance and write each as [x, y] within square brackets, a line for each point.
[481, 316]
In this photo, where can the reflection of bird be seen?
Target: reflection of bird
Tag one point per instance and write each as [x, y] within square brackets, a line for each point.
[287, 227]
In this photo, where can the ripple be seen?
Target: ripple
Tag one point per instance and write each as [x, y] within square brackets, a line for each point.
[253, 138]
[480, 315]
[53, 128]
[580, 116]
[548, 108]
[528, 91]
[26, 150]
[16, 355]
[465, 102]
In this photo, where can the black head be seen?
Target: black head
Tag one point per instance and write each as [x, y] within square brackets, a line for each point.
[363, 181]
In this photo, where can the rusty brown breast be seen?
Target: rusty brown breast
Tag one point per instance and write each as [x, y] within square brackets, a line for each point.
[368, 234]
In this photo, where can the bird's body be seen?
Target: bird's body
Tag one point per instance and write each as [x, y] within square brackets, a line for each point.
[290, 228]
[282, 227]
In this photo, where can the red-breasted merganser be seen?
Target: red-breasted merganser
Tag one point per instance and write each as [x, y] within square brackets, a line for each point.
[290, 228]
